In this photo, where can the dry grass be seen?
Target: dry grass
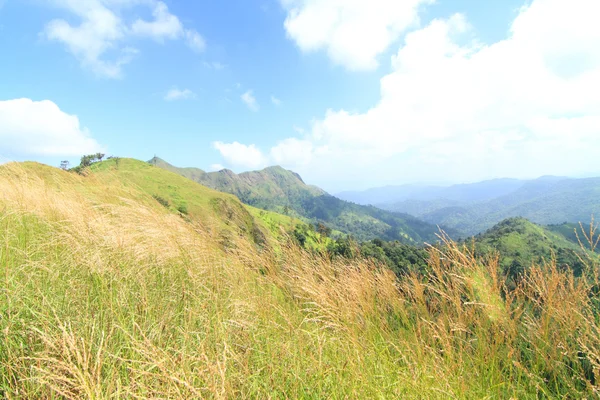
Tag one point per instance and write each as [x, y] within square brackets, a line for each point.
[105, 294]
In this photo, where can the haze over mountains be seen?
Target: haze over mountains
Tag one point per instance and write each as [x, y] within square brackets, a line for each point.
[473, 208]
[283, 191]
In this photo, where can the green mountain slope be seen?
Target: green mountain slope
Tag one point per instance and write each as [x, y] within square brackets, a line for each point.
[194, 201]
[522, 243]
[284, 191]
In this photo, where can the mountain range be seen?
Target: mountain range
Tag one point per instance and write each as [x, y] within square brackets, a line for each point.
[277, 189]
[470, 209]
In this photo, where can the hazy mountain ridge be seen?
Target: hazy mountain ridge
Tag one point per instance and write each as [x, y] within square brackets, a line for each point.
[554, 202]
[473, 208]
[472, 192]
[283, 191]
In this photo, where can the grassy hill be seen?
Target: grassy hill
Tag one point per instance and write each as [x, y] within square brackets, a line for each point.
[522, 243]
[285, 192]
[107, 292]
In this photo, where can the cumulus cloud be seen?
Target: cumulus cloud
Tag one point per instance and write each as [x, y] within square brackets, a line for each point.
[455, 109]
[250, 101]
[292, 151]
[40, 128]
[241, 155]
[164, 26]
[177, 94]
[352, 32]
[97, 41]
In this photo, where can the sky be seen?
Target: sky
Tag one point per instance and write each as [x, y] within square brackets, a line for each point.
[351, 94]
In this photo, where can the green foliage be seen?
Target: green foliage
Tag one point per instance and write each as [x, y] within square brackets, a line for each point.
[162, 200]
[522, 243]
[183, 209]
[401, 258]
[88, 160]
[345, 247]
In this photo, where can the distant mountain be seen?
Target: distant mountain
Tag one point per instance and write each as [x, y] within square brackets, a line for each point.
[541, 201]
[546, 200]
[472, 192]
[521, 243]
[283, 191]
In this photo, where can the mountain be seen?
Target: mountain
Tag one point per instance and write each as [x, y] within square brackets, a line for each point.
[471, 192]
[522, 243]
[271, 188]
[277, 189]
[547, 200]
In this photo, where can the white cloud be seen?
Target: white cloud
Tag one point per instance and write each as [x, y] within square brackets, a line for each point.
[455, 109]
[241, 155]
[177, 94]
[98, 40]
[353, 32]
[276, 102]
[40, 128]
[292, 151]
[215, 167]
[195, 41]
[250, 101]
[164, 26]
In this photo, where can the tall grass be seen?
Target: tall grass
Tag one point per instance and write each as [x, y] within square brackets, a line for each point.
[105, 294]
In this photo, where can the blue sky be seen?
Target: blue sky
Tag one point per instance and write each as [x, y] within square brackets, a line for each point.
[349, 93]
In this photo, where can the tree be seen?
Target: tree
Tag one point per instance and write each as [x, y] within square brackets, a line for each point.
[64, 165]
[323, 229]
[88, 160]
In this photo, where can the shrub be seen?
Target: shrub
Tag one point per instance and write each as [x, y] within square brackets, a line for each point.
[161, 200]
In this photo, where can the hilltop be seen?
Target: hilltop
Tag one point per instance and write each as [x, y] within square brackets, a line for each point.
[285, 192]
[522, 243]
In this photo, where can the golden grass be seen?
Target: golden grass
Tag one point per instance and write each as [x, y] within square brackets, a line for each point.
[106, 294]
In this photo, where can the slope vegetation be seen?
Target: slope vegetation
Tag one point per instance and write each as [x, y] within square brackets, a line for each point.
[107, 293]
[285, 192]
[522, 243]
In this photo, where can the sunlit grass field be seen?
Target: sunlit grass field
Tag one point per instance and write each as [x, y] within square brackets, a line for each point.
[105, 293]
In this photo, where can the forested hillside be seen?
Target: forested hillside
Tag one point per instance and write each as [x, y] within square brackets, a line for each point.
[521, 244]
